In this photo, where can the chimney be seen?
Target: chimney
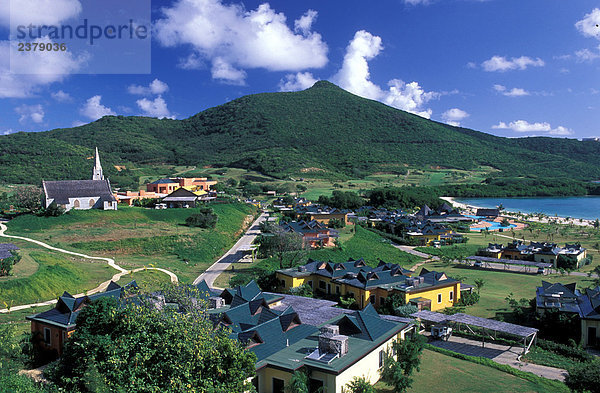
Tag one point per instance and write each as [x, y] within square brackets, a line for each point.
[330, 341]
[216, 302]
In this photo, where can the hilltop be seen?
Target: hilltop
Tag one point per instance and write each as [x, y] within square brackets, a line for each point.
[323, 130]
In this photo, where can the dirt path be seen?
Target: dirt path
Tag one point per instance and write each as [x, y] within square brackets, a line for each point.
[100, 288]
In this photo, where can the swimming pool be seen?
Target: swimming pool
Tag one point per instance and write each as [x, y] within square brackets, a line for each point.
[495, 226]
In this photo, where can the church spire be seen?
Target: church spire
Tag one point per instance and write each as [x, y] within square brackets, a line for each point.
[97, 173]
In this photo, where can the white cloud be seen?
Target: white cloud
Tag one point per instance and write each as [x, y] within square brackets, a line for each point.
[38, 12]
[295, 82]
[156, 87]
[586, 55]
[94, 110]
[454, 116]
[61, 96]
[589, 25]
[34, 113]
[233, 39]
[9, 131]
[224, 71]
[155, 108]
[502, 64]
[525, 126]
[354, 76]
[416, 2]
[35, 71]
[514, 92]
[305, 22]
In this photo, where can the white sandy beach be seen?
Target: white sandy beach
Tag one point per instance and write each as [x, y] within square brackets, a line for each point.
[546, 219]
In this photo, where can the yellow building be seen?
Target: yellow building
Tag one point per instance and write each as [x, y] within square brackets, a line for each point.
[431, 290]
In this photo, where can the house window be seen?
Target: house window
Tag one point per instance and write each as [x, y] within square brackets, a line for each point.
[310, 284]
[282, 283]
[451, 295]
[91, 202]
[322, 284]
[315, 385]
[439, 297]
[76, 203]
[337, 289]
[47, 336]
[278, 385]
[381, 301]
[381, 358]
[372, 299]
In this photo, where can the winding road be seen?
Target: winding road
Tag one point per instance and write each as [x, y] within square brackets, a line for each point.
[100, 288]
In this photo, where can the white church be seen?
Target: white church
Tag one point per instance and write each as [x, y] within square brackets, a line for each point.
[81, 194]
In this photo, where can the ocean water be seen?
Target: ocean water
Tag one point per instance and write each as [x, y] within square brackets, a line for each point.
[587, 207]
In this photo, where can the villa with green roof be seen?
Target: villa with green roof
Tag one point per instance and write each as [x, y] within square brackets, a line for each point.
[430, 290]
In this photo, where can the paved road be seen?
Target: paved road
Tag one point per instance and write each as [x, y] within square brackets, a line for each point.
[211, 274]
[502, 354]
[100, 288]
[411, 250]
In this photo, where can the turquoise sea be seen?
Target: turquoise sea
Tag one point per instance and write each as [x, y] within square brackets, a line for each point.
[587, 207]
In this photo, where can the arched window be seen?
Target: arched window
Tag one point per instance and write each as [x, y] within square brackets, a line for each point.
[76, 203]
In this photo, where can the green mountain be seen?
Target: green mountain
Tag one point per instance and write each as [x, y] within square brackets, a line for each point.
[323, 130]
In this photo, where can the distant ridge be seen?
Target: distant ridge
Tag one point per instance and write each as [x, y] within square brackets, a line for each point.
[323, 129]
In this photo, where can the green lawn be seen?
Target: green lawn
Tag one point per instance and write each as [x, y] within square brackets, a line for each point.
[56, 273]
[440, 373]
[137, 237]
[147, 280]
[499, 284]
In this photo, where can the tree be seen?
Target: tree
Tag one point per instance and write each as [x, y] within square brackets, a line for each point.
[359, 385]
[596, 224]
[205, 218]
[6, 264]
[303, 290]
[287, 247]
[28, 198]
[398, 372]
[584, 377]
[138, 347]
[53, 210]
[298, 382]
[479, 283]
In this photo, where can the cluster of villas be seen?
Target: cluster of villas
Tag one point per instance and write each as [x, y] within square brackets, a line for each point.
[373, 285]
[538, 252]
[97, 192]
[285, 332]
[567, 299]
[314, 233]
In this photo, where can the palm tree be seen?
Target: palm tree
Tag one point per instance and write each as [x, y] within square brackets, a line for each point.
[479, 283]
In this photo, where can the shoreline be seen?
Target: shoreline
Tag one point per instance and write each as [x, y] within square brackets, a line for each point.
[510, 214]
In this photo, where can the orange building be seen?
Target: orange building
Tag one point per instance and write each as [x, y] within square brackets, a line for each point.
[168, 185]
[129, 196]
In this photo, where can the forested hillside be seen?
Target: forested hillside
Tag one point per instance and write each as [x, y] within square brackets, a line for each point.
[323, 130]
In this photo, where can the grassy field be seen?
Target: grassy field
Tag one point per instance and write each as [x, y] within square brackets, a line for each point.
[137, 237]
[499, 284]
[362, 244]
[441, 373]
[42, 275]
[147, 280]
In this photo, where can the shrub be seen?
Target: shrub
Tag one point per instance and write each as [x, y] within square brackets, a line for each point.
[205, 218]
[584, 377]
[468, 299]
[359, 385]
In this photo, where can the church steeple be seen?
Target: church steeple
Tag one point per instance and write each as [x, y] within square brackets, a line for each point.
[97, 174]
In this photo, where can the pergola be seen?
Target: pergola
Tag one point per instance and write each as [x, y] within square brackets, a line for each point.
[487, 261]
[489, 327]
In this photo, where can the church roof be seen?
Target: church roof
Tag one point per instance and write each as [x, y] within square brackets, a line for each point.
[62, 190]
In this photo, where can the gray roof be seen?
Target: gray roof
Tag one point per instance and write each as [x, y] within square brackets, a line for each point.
[62, 190]
[311, 311]
[5, 250]
[491, 324]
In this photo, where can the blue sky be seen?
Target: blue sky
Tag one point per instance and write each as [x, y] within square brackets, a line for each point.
[507, 67]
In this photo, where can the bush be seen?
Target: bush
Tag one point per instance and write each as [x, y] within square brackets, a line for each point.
[205, 218]
[303, 290]
[53, 210]
[584, 377]
[6, 264]
[572, 352]
[336, 223]
[468, 299]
